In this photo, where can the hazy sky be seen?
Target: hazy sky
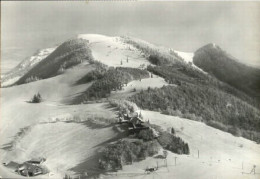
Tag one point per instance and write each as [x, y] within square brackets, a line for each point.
[184, 26]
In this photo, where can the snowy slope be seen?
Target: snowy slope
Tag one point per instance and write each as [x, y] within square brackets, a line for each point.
[136, 86]
[112, 51]
[22, 68]
[46, 137]
[151, 49]
[188, 58]
[142, 43]
[72, 146]
[36, 58]
[221, 155]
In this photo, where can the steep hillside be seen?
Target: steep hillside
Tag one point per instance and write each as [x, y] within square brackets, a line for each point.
[204, 98]
[187, 58]
[203, 104]
[156, 55]
[217, 62]
[68, 54]
[26, 65]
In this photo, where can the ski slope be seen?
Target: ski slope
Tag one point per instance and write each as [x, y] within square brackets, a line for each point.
[47, 128]
[112, 51]
[213, 153]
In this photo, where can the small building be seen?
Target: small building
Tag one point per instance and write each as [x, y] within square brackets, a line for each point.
[37, 161]
[136, 121]
[28, 169]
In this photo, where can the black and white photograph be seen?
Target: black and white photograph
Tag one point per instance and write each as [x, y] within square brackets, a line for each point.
[124, 89]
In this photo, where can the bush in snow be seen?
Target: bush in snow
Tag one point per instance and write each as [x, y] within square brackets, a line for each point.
[32, 79]
[36, 98]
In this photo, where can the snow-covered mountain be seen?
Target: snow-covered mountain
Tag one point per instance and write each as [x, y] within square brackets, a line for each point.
[123, 52]
[111, 51]
[21, 69]
[168, 96]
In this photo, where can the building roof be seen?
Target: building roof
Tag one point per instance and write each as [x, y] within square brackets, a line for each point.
[12, 165]
[38, 160]
[134, 114]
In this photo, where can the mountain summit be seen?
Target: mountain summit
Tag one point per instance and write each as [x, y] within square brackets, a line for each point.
[223, 66]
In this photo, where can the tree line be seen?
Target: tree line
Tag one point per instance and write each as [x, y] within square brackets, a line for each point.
[113, 79]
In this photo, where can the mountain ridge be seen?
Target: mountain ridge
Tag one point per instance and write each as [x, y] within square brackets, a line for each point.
[225, 68]
[129, 52]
